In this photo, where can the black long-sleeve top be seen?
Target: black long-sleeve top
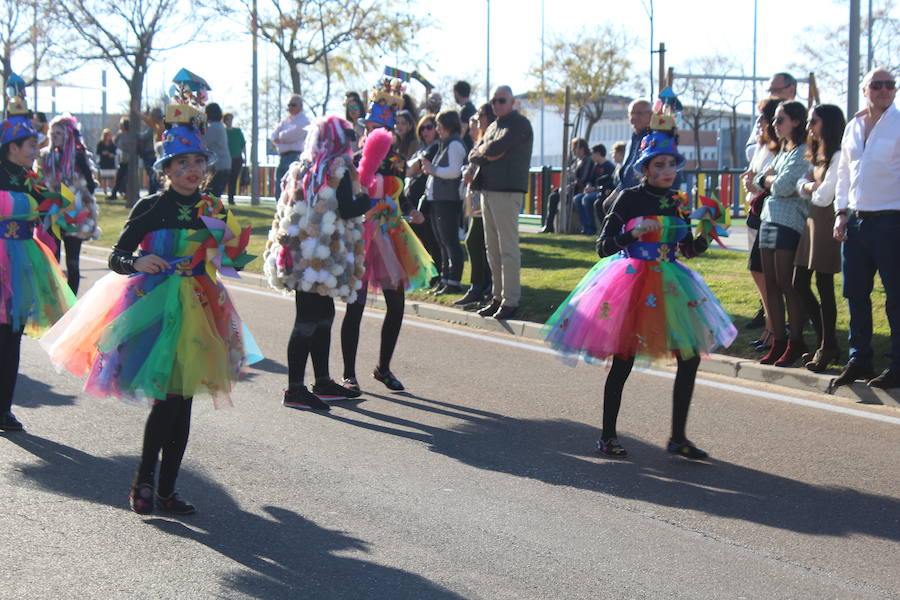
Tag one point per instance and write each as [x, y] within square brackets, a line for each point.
[643, 201]
[13, 179]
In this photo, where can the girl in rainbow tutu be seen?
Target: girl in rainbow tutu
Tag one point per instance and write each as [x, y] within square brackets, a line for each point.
[162, 328]
[639, 301]
[33, 290]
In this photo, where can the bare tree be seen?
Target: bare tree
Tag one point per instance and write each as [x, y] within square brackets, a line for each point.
[701, 97]
[123, 34]
[824, 49]
[592, 62]
[332, 39]
[731, 94]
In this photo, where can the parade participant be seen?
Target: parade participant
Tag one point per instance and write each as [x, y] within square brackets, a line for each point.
[395, 259]
[162, 328]
[65, 162]
[315, 249]
[33, 290]
[639, 302]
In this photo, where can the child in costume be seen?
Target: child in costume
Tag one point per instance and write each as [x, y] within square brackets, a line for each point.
[162, 328]
[65, 162]
[33, 290]
[639, 301]
[395, 260]
[315, 249]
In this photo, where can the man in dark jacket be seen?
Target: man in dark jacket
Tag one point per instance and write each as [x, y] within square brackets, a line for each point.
[503, 158]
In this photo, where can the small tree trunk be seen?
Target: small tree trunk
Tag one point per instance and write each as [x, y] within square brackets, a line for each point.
[133, 186]
[294, 68]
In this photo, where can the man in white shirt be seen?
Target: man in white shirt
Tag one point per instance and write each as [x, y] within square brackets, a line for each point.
[867, 204]
[289, 137]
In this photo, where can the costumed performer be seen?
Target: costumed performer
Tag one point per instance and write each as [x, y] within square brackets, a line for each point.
[639, 301]
[316, 249]
[395, 259]
[65, 162]
[33, 290]
[162, 328]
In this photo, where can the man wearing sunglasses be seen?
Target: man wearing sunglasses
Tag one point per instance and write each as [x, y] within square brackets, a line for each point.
[867, 206]
[289, 137]
[503, 157]
[782, 86]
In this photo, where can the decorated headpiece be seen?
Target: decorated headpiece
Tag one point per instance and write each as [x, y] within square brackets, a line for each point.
[658, 143]
[17, 125]
[327, 141]
[60, 164]
[665, 111]
[385, 100]
[189, 94]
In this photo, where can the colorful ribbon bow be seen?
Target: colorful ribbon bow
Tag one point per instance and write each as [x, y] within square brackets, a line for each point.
[222, 245]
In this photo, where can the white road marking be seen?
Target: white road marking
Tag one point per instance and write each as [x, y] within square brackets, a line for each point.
[544, 350]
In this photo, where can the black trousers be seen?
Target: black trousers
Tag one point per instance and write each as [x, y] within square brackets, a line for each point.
[121, 180]
[311, 336]
[237, 164]
[390, 330]
[218, 182]
[73, 255]
[425, 233]
[445, 217]
[166, 431]
[10, 350]
[481, 270]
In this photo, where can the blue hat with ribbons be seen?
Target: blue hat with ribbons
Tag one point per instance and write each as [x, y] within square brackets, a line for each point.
[17, 125]
[658, 143]
[183, 139]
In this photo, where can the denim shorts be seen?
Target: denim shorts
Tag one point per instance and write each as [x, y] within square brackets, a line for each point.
[773, 236]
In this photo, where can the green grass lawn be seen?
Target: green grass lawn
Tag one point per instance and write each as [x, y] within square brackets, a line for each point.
[553, 264]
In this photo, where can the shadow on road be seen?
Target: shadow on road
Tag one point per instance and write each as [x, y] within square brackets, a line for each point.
[33, 393]
[559, 452]
[283, 554]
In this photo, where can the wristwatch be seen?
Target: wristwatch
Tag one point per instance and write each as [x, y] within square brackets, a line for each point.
[841, 213]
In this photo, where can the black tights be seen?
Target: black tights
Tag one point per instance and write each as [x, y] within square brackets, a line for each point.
[778, 269]
[311, 336]
[681, 394]
[10, 349]
[822, 312]
[167, 430]
[390, 330]
[73, 254]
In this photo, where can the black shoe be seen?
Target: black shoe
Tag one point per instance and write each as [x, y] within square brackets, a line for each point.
[9, 422]
[471, 297]
[889, 378]
[611, 448]
[547, 229]
[851, 373]
[505, 312]
[687, 449]
[303, 399]
[757, 321]
[450, 288]
[333, 391]
[175, 504]
[141, 498]
[388, 379]
[351, 384]
[490, 309]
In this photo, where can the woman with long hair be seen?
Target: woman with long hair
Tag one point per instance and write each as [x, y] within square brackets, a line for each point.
[414, 186]
[783, 220]
[106, 155]
[766, 147]
[819, 252]
[65, 162]
[405, 140]
[353, 112]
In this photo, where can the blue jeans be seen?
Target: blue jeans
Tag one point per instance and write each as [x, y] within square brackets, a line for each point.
[284, 161]
[873, 244]
[584, 204]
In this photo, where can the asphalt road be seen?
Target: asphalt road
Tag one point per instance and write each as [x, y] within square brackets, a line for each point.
[479, 482]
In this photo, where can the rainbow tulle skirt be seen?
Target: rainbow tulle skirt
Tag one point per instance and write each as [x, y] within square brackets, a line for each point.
[395, 258]
[146, 337]
[641, 303]
[33, 291]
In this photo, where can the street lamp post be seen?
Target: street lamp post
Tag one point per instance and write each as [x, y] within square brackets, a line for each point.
[487, 83]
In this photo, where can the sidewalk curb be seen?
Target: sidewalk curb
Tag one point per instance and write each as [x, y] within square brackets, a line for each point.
[719, 364]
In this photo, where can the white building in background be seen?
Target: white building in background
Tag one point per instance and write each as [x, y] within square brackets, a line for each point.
[715, 136]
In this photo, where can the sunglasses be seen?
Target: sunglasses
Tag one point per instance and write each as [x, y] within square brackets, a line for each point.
[428, 127]
[775, 90]
[498, 100]
[292, 104]
[879, 85]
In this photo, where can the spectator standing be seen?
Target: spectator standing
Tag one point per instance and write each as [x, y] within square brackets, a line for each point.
[782, 86]
[123, 142]
[414, 187]
[445, 204]
[480, 286]
[764, 153]
[783, 221]
[149, 140]
[405, 140]
[867, 222]
[819, 252]
[217, 143]
[236, 147]
[106, 155]
[353, 112]
[288, 138]
[503, 157]
[432, 104]
[462, 92]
